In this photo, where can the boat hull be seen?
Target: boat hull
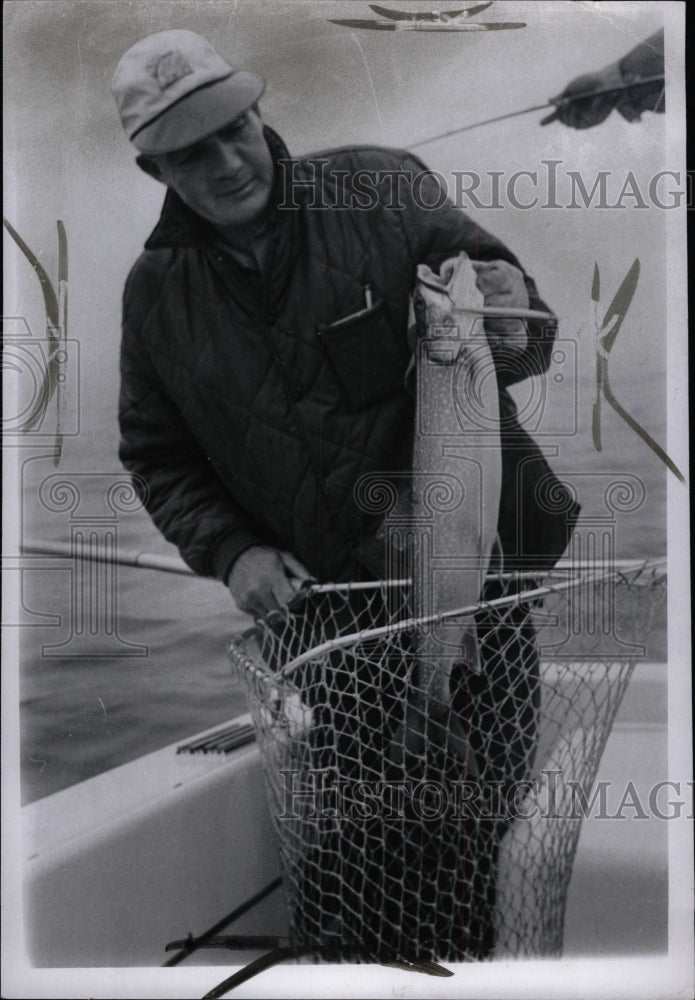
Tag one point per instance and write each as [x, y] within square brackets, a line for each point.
[121, 864]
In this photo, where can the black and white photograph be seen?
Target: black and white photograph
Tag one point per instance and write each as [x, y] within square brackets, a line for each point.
[346, 581]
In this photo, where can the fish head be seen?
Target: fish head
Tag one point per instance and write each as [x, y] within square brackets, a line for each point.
[434, 332]
[432, 303]
[437, 308]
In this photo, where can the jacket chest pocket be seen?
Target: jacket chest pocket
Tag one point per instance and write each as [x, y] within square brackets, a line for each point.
[365, 356]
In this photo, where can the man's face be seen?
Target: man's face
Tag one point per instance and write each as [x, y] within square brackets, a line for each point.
[227, 177]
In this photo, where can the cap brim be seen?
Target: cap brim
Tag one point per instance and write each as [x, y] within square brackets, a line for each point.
[199, 114]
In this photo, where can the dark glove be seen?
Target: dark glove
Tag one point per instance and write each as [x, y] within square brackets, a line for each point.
[588, 111]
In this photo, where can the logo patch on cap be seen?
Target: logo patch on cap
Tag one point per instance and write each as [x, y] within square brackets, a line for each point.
[172, 88]
[168, 68]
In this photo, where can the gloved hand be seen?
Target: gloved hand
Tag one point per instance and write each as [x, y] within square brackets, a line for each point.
[590, 111]
[263, 578]
[502, 284]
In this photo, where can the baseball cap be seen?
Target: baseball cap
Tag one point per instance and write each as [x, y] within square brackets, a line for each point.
[172, 89]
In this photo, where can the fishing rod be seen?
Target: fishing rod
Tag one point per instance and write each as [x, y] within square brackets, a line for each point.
[556, 105]
[173, 564]
[97, 553]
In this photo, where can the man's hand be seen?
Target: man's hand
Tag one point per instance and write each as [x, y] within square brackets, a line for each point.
[502, 284]
[262, 578]
[589, 111]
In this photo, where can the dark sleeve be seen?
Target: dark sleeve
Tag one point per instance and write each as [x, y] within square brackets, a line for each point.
[645, 60]
[434, 234]
[178, 487]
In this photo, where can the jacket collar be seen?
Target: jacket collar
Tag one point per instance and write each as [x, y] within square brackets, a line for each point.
[179, 226]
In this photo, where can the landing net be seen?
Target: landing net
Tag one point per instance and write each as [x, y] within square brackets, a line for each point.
[410, 857]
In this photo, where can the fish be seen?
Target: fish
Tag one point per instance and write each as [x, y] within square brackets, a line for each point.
[451, 20]
[444, 15]
[285, 714]
[427, 26]
[454, 498]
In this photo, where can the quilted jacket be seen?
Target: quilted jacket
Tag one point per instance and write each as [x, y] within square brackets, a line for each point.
[251, 403]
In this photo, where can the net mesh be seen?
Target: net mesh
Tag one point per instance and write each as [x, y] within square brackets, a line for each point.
[429, 854]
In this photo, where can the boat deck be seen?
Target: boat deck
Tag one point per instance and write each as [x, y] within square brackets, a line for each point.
[170, 844]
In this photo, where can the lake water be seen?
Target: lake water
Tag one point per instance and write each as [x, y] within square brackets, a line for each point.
[81, 715]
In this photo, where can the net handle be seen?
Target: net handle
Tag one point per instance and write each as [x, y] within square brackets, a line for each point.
[512, 601]
[561, 569]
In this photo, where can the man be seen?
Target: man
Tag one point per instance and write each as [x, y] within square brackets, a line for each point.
[265, 352]
[631, 97]
[234, 408]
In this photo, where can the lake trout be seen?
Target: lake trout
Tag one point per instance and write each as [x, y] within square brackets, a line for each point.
[454, 496]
